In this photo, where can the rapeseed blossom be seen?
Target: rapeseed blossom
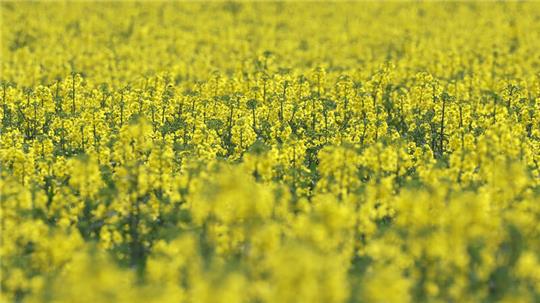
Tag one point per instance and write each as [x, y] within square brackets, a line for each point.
[270, 152]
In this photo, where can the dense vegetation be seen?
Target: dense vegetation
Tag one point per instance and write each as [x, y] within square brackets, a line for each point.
[270, 152]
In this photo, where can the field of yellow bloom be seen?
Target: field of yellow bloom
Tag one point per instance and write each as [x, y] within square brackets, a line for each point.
[270, 152]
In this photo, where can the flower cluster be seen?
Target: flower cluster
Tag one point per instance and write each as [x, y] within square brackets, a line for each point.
[270, 152]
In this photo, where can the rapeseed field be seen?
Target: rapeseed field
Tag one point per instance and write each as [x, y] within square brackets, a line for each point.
[333, 152]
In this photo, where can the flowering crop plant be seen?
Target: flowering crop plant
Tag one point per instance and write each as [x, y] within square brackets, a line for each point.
[333, 152]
